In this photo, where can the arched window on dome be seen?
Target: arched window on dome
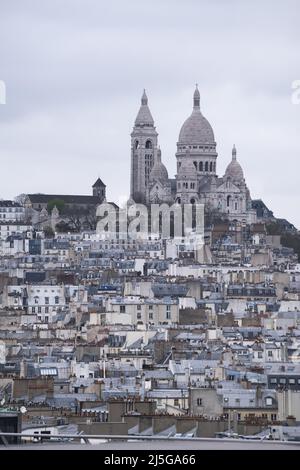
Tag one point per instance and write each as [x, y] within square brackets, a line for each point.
[201, 166]
[228, 201]
[148, 144]
[195, 165]
[136, 144]
[179, 200]
[192, 201]
[206, 166]
[214, 166]
[211, 166]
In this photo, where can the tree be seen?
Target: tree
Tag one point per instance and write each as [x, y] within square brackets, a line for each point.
[63, 227]
[287, 239]
[58, 203]
[20, 199]
[48, 232]
[80, 218]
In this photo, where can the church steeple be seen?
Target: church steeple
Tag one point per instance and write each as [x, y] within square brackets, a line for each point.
[143, 151]
[233, 153]
[144, 99]
[196, 99]
[144, 116]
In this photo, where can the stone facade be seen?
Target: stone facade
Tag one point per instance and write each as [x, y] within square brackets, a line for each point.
[196, 179]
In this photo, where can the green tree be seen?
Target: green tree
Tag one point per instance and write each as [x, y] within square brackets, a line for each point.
[48, 232]
[59, 203]
[287, 239]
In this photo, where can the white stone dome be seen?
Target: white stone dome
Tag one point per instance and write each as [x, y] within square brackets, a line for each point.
[196, 129]
[234, 169]
[159, 171]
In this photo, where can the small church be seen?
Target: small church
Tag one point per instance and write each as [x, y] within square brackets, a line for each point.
[53, 209]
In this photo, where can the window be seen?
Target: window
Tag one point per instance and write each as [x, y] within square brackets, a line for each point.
[201, 166]
[148, 144]
[56, 300]
[269, 401]
[199, 401]
[292, 381]
[150, 315]
[39, 309]
[139, 315]
[270, 353]
[46, 309]
[206, 166]
[273, 417]
[273, 380]
[282, 381]
[176, 402]
[139, 307]
[122, 309]
[150, 307]
[168, 315]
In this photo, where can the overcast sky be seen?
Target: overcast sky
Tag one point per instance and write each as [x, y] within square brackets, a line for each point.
[75, 71]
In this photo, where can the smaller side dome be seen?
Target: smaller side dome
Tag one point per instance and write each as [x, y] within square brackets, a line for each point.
[159, 171]
[234, 169]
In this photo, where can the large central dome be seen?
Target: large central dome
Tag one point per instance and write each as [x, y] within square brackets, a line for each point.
[196, 129]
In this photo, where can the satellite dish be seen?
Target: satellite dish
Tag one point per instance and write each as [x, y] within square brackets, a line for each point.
[23, 410]
[2, 402]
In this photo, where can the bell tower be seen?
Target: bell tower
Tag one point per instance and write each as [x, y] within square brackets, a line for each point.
[143, 151]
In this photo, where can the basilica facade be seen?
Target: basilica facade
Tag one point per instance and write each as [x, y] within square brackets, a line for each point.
[196, 180]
